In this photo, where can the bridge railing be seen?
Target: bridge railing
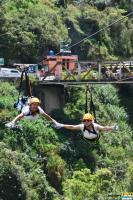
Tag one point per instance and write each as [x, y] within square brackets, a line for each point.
[90, 71]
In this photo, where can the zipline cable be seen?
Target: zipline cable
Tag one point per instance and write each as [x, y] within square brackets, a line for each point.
[106, 27]
[89, 36]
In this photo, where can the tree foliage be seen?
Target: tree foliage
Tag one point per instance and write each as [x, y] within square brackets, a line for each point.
[30, 28]
[42, 163]
[84, 185]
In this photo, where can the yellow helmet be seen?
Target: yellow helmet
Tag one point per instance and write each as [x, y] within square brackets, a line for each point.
[88, 116]
[34, 100]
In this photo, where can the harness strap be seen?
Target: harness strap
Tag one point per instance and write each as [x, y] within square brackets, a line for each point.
[94, 132]
[91, 131]
[29, 114]
[27, 81]
[21, 101]
[20, 86]
[92, 106]
[28, 86]
[86, 102]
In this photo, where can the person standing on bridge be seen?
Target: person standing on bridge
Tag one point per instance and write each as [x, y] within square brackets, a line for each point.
[30, 111]
[90, 129]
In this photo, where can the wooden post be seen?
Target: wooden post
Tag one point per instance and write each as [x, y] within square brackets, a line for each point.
[99, 70]
[59, 71]
[79, 72]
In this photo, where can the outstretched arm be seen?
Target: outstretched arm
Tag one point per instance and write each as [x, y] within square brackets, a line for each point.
[12, 123]
[106, 128]
[66, 126]
[20, 116]
[59, 125]
[47, 117]
[71, 127]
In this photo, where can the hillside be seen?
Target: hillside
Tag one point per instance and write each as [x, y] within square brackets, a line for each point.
[30, 28]
[40, 162]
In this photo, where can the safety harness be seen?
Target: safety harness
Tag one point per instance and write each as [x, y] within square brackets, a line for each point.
[31, 114]
[92, 106]
[93, 112]
[22, 100]
[92, 131]
[27, 83]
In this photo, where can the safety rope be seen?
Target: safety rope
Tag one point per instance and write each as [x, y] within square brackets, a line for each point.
[27, 83]
[23, 99]
[92, 106]
[28, 86]
[20, 85]
[86, 102]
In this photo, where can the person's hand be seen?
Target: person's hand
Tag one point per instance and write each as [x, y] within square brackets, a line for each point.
[115, 128]
[56, 125]
[10, 124]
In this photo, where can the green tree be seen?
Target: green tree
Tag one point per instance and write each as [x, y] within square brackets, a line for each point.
[37, 162]
[30, 30]
[84, 185]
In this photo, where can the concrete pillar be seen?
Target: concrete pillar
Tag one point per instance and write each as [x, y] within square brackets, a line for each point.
[51, 95]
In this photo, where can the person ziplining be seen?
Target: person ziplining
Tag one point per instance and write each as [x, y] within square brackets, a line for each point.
[27, 106]
[30, 111]
[90, 130]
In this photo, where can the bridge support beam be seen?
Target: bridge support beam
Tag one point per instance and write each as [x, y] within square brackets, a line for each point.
[51, 95]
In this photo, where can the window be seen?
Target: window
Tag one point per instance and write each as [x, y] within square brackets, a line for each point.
[14, 71]
[45, 68]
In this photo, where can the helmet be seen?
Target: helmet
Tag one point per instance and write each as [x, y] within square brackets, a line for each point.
[88, 116]
[34, 100]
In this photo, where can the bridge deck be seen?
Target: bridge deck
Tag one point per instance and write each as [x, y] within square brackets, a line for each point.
[85, 82]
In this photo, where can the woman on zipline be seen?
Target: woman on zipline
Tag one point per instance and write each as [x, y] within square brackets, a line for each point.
[30, 111]
[90, 129]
